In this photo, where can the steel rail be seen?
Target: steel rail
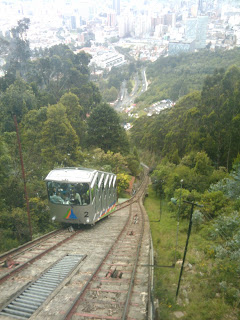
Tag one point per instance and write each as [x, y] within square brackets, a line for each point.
[27, 246]
[25, 264]
[80, 296]
[128, 299]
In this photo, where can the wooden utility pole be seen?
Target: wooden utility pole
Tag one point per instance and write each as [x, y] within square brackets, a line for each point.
[23, 175]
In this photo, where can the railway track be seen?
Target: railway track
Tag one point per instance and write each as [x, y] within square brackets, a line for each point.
[17, 259]
[106, 276]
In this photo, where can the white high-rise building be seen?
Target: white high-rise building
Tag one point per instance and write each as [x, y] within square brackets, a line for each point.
[191, 29]
[123, 26]
[116, 6]
[202, 24]
[196, 29]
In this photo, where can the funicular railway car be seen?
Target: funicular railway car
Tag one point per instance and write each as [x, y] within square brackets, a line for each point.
[80, 195]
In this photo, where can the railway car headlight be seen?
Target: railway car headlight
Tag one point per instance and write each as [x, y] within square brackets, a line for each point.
[87, 220]
[53, 218]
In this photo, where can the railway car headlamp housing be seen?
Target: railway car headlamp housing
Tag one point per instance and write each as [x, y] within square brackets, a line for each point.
[87, 220]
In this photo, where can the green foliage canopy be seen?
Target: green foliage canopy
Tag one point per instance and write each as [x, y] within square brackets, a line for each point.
[105, 131]
[201, 121]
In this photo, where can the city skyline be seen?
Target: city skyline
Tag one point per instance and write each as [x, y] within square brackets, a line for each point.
[170, 27]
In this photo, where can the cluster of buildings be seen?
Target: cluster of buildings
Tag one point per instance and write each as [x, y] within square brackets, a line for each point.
[148, 28]
[159, 106]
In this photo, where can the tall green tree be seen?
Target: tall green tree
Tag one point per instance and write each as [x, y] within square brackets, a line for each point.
[18, 99]
[105, 131]
[4, 46]
[31, 134]
[11, 190]
[59, 139]
[89, 96]
[19, 46]
[75, 115]
[58, 69]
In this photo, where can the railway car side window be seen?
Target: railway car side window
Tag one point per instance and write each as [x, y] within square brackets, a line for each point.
[54, 193]
[83, 190]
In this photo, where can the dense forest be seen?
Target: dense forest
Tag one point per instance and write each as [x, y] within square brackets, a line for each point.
[62, 120]
[173, 77]
[202, 120]
[194, 150]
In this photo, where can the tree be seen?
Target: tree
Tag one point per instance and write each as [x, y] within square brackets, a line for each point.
[4, 160]
[4, 46]
[105, 131]
[132, 68]
[133, 165]
[15, 222]
[89, 96]
[59, 139]
[31, 135]
[75, 114]
[19, 46]
[129, 86]
[122, 183]
[11, 189]
[203, 164]
[5, 169]
[106, 161]
[17, 100]
[110, 95]
[58, 69]
[82, 60]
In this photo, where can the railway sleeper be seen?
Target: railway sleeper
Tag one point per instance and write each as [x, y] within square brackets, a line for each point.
[114, 274]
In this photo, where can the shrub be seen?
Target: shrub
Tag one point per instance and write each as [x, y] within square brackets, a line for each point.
[227, 226]
[122, 182]
[197, 219]
[213, 204]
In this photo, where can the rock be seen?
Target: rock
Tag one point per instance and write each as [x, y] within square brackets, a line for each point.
[178, 314]
[184, 292]
[190, 266]
[179, 301]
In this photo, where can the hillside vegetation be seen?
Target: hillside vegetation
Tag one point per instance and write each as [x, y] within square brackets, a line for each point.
[175, 76]
[206, 120]
[194, 151]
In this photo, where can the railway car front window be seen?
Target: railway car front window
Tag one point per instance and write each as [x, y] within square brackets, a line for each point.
[69, 193]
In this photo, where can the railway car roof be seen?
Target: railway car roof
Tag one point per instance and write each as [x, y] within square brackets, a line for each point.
[71, 175]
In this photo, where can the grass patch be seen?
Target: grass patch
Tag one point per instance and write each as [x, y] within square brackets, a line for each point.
[199, 297]
[124, 195]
